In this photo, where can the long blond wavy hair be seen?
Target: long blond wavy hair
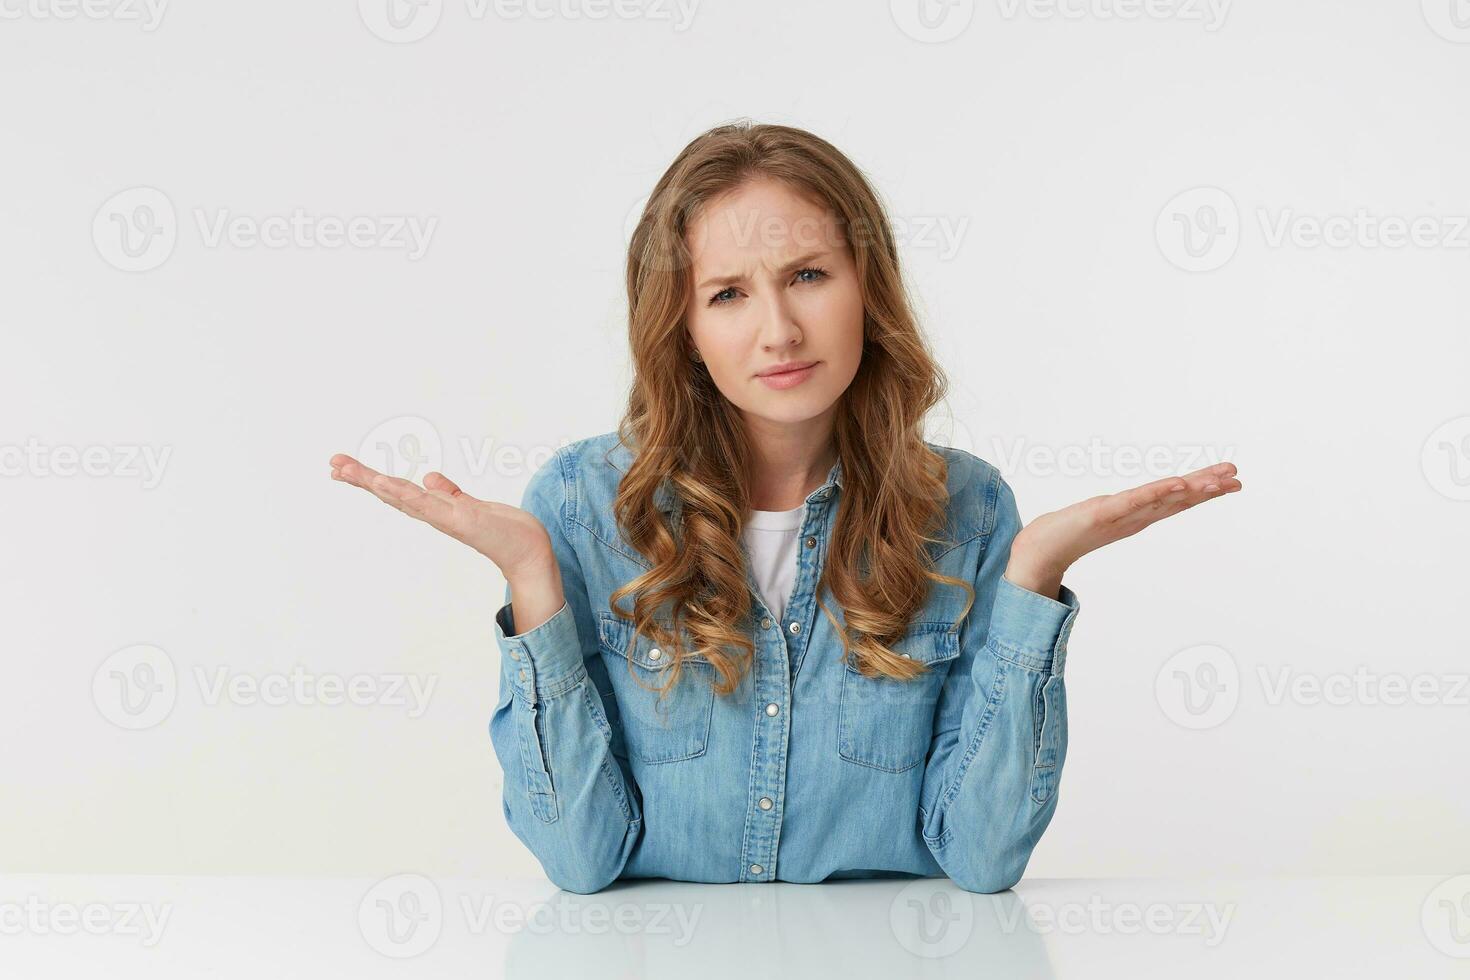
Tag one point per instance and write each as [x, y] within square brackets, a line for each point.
[686, 436]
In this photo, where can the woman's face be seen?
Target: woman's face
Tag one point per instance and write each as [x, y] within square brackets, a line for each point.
[774, 285]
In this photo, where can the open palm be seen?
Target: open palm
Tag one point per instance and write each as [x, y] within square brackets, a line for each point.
[1052, 542]
[509, 536]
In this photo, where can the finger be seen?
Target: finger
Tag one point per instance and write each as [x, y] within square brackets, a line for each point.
[437, 481]
[442, 486]
[437, 509]
[1151, 498]
[348, 470]
[354, 472]
[1164, 498]
[342, 462]
[1212, 481]
[1225, 468]
[1218, 488]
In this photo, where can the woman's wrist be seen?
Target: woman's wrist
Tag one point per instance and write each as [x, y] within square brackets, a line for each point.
[536, 594]
[1042, 581]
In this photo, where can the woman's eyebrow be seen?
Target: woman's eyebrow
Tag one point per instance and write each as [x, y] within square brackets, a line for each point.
[791, 266]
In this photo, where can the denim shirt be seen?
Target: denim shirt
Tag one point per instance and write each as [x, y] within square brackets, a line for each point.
[809, 771]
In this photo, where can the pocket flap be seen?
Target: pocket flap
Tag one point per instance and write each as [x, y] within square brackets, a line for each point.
[614, 633]
[929, 643]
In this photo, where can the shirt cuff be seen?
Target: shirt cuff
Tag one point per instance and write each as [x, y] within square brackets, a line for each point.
[1030, 628]
[545, 660]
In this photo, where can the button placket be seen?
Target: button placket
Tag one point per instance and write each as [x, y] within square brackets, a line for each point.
[772, 738]
[765, 835]
[818, 522]
[526, 672]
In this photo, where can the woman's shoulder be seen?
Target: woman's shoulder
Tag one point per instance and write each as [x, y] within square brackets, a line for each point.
[596, 457]
[588, 469]
[974, 486]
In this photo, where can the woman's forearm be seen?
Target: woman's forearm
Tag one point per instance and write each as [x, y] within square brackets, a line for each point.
[536, 594]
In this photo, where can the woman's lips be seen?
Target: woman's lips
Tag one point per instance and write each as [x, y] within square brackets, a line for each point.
[787, 379]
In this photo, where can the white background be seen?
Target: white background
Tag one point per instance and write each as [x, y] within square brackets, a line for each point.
[1034, 165]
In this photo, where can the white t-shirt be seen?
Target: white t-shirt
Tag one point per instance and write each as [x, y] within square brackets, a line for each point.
[771, 537]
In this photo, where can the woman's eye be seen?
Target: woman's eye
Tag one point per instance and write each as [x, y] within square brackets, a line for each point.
[818, 276]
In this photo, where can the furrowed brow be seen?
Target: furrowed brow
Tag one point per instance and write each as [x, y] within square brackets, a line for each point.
[791, 266]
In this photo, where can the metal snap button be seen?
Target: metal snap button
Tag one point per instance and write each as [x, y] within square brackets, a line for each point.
[811, 542]
[796, 627]
[655, 653]
[772, 708]
[766, 803]
[756, 869]
[765, 622]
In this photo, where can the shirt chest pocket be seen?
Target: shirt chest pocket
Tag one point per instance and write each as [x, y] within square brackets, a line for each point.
[668, 729]
[887, 723]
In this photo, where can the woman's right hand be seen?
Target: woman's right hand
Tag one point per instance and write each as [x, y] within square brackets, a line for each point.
[509, 536]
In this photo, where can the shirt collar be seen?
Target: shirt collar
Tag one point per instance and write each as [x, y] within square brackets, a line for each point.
[663, 497]
[834, 479]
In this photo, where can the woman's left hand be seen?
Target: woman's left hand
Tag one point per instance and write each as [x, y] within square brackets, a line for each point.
[1047, 547]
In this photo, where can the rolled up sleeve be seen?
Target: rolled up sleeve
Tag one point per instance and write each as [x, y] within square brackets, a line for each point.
[1031, 627]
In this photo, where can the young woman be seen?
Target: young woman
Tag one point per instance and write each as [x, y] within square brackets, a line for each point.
[764, 631]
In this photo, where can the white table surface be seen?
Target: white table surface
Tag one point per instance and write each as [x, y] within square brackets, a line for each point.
[1417, 928]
